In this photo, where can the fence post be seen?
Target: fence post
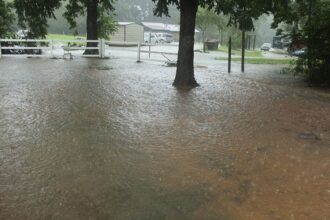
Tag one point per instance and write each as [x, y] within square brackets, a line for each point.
[0, 50]
[51, 48]
[139, 53]
[100, 48]
[229, 55]
[103, 47]
[149, 49]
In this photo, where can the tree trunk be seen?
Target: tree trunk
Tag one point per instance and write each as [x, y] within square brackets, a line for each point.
[185, 67]
[91, 25]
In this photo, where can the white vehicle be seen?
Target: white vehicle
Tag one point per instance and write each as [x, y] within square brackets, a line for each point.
[165, 37]
[150, 38]
[266, 47]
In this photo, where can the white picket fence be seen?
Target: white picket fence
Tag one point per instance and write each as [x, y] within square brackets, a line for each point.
[67, 48]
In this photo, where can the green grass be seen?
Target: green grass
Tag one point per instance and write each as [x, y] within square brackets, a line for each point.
[248, 53]
[60, 37]
[259, 60]
[65, 37]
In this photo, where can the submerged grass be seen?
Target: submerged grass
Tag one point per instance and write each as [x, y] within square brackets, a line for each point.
[248, 53]
[65, 37]
[259, 60]
[101, 67]
[60, 37]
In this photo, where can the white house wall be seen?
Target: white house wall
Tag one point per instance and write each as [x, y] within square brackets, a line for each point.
[134, 33]
[128, 33]
[119, 35]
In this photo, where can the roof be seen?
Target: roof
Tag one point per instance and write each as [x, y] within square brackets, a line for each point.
[163, 27]
[125, 23]
[173, 27]
[155, 26]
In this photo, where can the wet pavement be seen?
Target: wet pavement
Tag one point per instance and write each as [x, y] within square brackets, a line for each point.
[112, 139]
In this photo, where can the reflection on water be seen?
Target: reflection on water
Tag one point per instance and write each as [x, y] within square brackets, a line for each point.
[82, 142]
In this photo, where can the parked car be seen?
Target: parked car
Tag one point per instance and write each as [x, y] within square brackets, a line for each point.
[299, 53]
[150, 38]
[266, 47]
[22, 34]
[165, 37]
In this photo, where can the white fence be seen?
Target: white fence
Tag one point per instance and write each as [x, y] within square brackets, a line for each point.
[55, 48]
[38, 48]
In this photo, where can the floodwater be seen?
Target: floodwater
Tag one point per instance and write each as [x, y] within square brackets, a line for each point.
[112, 139]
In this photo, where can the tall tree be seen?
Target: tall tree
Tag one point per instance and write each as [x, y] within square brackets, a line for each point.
[242, 13]
[35, 13]
[94, 10]
[185, 66]
[204, 19]
[220, 23]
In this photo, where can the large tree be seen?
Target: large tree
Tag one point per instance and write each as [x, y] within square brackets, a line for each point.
[35, 13]
[185, 65]
[242, 13]
[95, 10]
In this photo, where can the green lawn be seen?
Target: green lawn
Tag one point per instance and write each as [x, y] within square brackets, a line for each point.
[65, 37]
[60, 37]
[248, 53]
[259, 60]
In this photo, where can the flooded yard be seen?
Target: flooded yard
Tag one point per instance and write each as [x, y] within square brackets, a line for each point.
[112, 139]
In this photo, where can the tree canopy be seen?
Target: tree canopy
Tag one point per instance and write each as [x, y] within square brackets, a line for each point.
[6, 18]
[241, 13]
[311, 19]
[204, 19]
[74, 8]
[35, 13]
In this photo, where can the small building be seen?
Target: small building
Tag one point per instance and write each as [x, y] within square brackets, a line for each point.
[128, 32]
[173, 29]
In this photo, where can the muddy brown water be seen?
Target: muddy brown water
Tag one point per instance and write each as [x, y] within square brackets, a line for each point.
[111, 139]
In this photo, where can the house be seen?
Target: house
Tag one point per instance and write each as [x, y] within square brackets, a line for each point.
[128, 32]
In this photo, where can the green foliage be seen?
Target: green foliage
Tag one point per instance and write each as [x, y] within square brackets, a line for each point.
[33, 14]
[220, 21]
[241, 12]
[142, 10]
[261, 60]
[205, 18]
[106, 25]
[248, 53]
[6, 18]
[312, 29]
[78, 7]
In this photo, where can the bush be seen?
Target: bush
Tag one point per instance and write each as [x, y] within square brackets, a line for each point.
[315, 65]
